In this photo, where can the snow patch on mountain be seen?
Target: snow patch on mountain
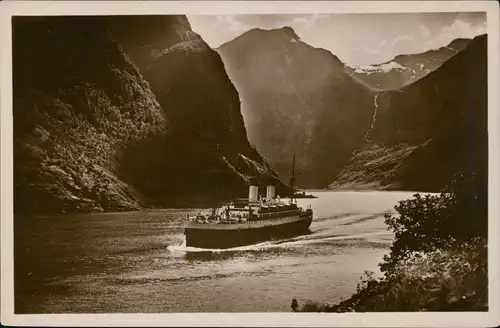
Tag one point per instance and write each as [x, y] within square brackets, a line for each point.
[413, 74]
[382, 68]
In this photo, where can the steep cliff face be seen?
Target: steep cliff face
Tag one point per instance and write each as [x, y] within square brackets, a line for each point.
[77, 100]
[207, 132]
[296, 98]
[437, 127]
[456, 101]
[117, 113]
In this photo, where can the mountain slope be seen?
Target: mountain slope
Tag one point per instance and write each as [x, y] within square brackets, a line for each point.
[296, 98]
[96, 128]
[207, 130]
[441, 121]
[404, 69]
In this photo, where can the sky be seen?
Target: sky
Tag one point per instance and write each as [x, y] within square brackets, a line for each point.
[357, 39]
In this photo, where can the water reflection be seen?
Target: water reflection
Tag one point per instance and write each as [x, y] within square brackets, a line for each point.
[136, 262]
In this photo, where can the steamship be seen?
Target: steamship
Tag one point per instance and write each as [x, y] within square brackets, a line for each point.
[248, 221]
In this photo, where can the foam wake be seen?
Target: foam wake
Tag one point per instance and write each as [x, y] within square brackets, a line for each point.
[185, 249]
[295, 242]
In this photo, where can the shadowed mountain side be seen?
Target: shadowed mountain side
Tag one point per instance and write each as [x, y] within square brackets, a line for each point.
[452, 94]
[90, 134]
[207, 130]
[77, 99]
[297, 98]
[443, 115]
[403, 70]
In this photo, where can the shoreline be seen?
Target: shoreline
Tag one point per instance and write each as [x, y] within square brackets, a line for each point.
[200, 207]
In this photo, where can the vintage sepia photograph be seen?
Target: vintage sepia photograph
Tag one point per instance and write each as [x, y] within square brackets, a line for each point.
[168, 162]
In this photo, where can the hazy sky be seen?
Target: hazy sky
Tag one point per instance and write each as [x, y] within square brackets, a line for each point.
[358, 39]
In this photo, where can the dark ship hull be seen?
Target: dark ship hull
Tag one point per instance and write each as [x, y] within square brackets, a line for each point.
[234, 235]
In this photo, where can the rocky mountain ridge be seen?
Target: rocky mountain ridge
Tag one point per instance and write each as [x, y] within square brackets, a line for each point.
[404, 70]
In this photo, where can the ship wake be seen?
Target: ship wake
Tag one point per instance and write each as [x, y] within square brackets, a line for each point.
[187, 249]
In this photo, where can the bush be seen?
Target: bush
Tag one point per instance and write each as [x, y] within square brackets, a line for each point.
[428, 223]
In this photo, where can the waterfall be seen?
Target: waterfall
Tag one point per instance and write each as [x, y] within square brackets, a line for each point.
[375, 105]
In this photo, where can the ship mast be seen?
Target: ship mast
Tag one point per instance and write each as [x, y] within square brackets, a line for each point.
[292, 179]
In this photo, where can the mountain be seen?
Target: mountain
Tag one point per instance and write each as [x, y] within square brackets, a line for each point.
[404, 69]
[296, 98]
[123, 112]
[430, 130]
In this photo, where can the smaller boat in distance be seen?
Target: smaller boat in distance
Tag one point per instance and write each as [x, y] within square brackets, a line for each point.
[248, 221]
[303, 195]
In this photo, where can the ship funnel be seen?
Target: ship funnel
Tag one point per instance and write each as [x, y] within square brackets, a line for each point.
[270, 193]
[253, 193]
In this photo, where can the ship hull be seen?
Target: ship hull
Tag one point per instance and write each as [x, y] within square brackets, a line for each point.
[234, 236]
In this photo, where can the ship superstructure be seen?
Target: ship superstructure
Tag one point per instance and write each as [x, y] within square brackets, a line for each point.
[251, 210]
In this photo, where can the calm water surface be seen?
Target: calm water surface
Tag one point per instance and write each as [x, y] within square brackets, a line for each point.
[137, 262]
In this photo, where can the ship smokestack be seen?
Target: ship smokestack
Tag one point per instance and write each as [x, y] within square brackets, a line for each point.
[253, 193]
[270, 193]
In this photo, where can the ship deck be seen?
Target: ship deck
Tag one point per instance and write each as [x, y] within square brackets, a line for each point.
[244, 225]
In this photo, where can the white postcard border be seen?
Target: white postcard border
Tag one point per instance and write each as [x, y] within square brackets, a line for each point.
[452, 319]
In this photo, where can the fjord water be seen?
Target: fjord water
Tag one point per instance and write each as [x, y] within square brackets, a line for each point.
[137, 262]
